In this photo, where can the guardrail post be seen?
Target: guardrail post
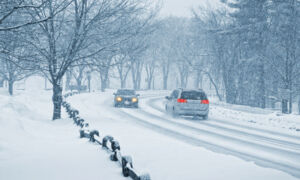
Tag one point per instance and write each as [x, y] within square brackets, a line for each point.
[125, 161]
[92, 134]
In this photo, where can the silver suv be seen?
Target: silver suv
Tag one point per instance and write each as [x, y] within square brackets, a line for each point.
[188, 103]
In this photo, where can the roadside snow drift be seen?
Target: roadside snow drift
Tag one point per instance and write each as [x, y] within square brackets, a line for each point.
[32, 147]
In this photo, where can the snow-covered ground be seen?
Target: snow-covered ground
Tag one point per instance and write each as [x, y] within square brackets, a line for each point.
[33, 147]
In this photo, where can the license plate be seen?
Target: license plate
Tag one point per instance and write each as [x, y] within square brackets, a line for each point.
[127, 102]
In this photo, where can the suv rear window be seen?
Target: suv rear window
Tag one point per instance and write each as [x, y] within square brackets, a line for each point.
[193, 95]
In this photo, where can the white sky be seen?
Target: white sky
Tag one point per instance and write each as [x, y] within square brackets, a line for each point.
[182, 8]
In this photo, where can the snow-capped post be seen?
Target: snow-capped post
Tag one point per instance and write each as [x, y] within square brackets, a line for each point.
[105, 140]
[128, 170]
[81, 125]
[76, 119]
[64, 103]
[93, 134]
[68, 107]
[73, 113]
[115, 145]
[70, 113]
[78, 122]
[81, 133]
[126, 162]
[116, 156]
[145, 176]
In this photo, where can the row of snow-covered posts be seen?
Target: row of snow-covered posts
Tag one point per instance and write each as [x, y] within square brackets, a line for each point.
[108, 143]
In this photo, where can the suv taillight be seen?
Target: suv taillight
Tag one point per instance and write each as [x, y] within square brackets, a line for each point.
[205, 101]
[181, 100]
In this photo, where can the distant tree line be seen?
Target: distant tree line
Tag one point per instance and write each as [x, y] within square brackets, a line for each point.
[247, 49]
[254, 45]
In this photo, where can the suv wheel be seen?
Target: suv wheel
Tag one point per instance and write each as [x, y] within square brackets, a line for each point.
[205, 117]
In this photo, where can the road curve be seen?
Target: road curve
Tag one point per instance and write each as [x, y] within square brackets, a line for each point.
[257, 146]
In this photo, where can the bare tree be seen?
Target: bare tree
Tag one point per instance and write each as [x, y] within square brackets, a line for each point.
[150, 67]
[78, 72]
[102, 65]
[123, 67]
[70, 30]
[9, 8]
[14, 65]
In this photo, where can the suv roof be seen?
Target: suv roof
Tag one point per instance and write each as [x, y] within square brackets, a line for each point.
[182, 89]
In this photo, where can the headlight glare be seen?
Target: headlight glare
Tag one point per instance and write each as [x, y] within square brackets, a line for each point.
[134, 99]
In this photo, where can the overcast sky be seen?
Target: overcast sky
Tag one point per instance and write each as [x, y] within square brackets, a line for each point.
[183, 7]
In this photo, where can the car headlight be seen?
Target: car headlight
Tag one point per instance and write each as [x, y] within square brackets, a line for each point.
[119, 99]
[134, 100]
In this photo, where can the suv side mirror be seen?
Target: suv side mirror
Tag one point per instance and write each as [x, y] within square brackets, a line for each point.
[137, 94]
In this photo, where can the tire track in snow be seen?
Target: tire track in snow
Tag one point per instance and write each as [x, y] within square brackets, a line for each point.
[198, 141]
[289, 139]
[289, 157]
[295, 171]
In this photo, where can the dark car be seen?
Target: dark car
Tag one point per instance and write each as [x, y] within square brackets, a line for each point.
[126, 98]
[187, 102]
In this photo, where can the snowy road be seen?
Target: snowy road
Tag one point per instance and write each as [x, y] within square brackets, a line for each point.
[265, 147]
[271, 149]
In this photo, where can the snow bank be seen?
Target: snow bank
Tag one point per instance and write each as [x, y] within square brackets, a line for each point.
[256, 117]
[33, 147]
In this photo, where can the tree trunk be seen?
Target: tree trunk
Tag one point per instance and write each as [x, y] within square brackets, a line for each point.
[284, 106]
[103, 85]
[230, 88]
[149, 82]
[78, 82]
[262, 87]
[1, 83]
[165, 82]
[11, 87]
[149, 71]
[89, 83]
[299, 104]
[123, 83]
[68, 80]
[104, 80]
[291, 103]
[198, 83]
[57, 100]
[165, 72]
[215, 86]
[138, 81]
[136, 75]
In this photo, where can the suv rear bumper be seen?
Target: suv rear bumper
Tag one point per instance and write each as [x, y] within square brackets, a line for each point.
[192, 112]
